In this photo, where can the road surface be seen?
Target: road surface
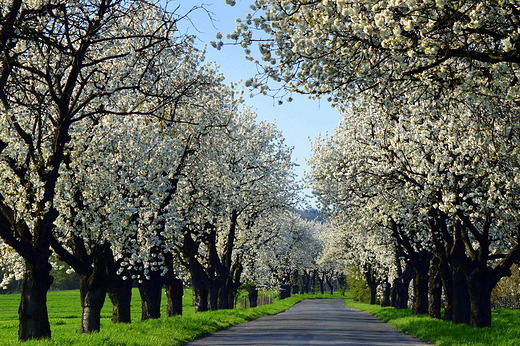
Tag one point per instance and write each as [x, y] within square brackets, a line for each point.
[312, 322]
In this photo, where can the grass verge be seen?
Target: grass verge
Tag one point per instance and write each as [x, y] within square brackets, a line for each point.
[505, 329]
[65, 312]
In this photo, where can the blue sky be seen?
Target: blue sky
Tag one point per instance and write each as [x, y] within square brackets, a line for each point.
[300, 119]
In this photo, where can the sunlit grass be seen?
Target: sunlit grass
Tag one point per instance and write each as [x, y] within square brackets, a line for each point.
[65, 312]
[505, 329]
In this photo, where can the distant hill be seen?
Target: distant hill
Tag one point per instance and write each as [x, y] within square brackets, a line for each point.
[310, 214]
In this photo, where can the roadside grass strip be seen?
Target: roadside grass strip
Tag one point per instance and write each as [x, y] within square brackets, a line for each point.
[505, 329]
[65, 313]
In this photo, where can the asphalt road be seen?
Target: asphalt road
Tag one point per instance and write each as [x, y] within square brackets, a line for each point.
[312, 322]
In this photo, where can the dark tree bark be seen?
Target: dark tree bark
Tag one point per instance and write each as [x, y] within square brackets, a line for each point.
[342, 281]
[174, 294]
[480, 286]
[435, 290]
[399, 292]
[372, 283]
[33, 315]
[419, 261]
[228, 291]
[151, 292]
[120, 293]
[420, 270]
[200, 297]
[218, 278]
[447, 285]
[481, 278]
[91, 264]
[199, 282]
[174, 288]
[481, 282]
[93, 282]
[285, 291]
[213, 291]
[306, 283]
[93, 293]
[461, 303]
[313, 281]
[252, 293]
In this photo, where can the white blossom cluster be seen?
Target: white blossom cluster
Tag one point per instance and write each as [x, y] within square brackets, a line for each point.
[342, 48]
[122, 136]
[284, 243]
[381, 169]
[241, 174]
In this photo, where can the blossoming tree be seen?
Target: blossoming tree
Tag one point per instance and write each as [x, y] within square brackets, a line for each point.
[64, 65]
[244, 174]
[432, 161]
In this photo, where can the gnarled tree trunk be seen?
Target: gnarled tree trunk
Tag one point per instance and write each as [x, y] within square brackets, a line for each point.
[151, 291]
[93, 293]
[32, 313]
[93, 283]
[120, 293]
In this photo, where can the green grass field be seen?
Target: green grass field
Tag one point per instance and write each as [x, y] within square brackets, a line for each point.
[505, 329]
[65, 312]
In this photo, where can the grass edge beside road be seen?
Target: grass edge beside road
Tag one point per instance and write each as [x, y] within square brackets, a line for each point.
[172, 331]
[505, 329]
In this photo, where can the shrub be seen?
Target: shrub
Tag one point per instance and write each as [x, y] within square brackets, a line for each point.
[358, 285]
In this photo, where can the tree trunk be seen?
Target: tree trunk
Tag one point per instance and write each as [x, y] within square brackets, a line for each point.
[213, 296]
[386, 293]
[373, 292]
[447, 284]
[32, 313]
[461, 302]
[174, 293]
[120, 293]
[93, 284]
[372, 283]
[306, 280]
[151, 291]
[322, 286]
[174, 288]
[285, 291]
[435, 291]
[420, 290]
[224, 293]
[480, 286]
[253, 296]
[232, 296]
[119, 290]
[399, 293]
[200, 293]
[328, 279]
[93, 293]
